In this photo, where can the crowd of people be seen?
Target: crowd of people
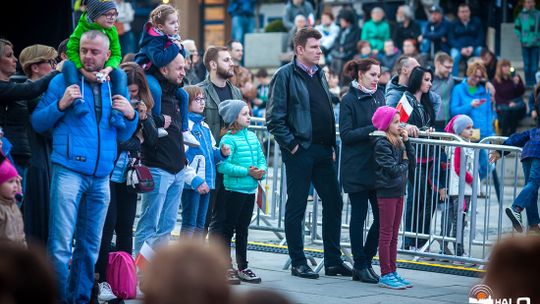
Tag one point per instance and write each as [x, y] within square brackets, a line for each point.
[90, 112]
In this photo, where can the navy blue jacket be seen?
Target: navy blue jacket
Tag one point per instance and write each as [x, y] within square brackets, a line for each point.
[155, 48]
[460, 36]
[242, 7]
[529, 140]
[437, 33]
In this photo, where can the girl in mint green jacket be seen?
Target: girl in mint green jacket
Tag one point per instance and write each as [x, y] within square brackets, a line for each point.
[242, 171]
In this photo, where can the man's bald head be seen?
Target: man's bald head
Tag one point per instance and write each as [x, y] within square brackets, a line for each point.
[175, 71]
[94, 50]
[404, 66]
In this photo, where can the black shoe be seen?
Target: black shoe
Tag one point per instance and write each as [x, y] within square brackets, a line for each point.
[373, 273]
[515, 218]
[363, 275]
[304, 271]
[340, 269]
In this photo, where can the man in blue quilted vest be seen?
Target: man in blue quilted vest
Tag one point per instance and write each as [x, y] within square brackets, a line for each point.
[84, 151]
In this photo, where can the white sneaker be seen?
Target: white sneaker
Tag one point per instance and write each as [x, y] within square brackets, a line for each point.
[247, 275]
[162, 132]
[190, 140]
[105, 292]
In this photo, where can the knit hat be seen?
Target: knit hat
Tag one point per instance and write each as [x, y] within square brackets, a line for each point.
[96, 8]
[7, 171]
[229, 110]
[35, 54]
[458, 123]
[461, 123]
[383, 117]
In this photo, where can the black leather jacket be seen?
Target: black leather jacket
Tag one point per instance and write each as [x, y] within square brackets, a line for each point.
[392, 168]
[288, 114]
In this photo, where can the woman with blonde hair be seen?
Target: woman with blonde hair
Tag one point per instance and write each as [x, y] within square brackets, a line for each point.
[11, 91]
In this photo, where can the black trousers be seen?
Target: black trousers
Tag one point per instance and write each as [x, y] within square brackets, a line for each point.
[419, 207]
[238, 212]
[120, 217]
[304, 167]
[215, 216]
[363, 253]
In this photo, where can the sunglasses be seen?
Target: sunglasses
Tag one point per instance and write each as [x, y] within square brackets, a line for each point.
[51, 62]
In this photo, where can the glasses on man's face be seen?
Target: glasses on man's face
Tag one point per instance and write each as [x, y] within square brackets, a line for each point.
[111, 16]
[200, 100]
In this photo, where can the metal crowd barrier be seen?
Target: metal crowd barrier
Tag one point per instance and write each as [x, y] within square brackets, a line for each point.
[471, 219]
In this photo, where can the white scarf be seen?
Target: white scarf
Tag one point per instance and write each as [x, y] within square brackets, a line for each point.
[360, 87]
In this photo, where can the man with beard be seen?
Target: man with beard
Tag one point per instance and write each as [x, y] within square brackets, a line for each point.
[83, 156]
[217, 88]
[243, 79]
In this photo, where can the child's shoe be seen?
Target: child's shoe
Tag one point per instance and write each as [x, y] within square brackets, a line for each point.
[117, 119]
[190, 140]
[80, 108]
[515, 218]
[161, 132]
[405, 283]
[247, 275]
[232, 277]
[390, 281]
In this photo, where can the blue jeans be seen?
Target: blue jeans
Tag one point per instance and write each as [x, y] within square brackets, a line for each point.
[155, 90]
[118, 78]
[78, 208]
[159, 209]
[528, 197]
[194, 208]
[530, 63]
[456, 55]
[242, 25]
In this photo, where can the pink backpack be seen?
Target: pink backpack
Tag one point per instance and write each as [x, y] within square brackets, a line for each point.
[122, 275]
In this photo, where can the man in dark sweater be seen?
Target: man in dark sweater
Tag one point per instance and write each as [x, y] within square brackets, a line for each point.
[166, 161]
[299, 115]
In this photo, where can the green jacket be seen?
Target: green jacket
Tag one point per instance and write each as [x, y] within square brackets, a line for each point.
[211, 112]
[376, 34]
[527, 27]
[85, 25]
[246, 151]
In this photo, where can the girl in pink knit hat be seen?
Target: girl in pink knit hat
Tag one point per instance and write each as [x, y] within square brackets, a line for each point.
[395, 158]
[11, 221]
